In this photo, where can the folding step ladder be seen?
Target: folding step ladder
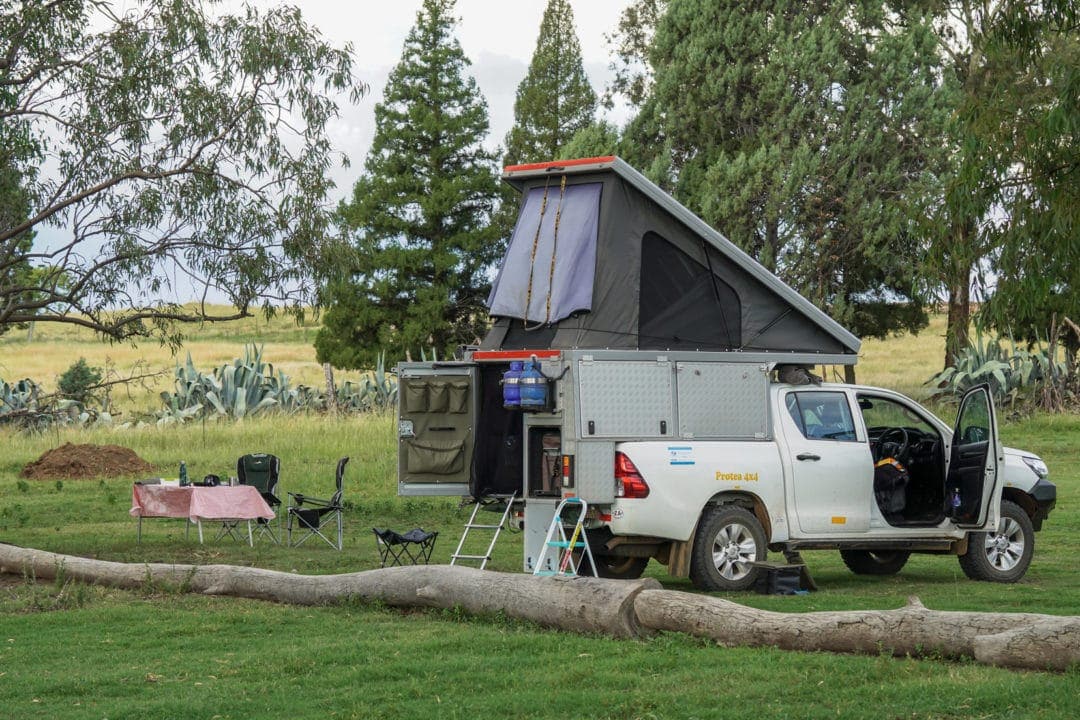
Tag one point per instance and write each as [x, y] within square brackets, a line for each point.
[473, 525]
[564, 547]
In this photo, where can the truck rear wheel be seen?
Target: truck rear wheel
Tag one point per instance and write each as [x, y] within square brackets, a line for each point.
[727, 541]
[1004, 555]
[875, 562]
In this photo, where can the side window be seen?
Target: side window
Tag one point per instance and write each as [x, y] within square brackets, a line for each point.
[881, 413]
[822, 415]
[973, 425]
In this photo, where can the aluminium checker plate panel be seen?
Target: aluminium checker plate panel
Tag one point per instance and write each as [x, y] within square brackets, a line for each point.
[594, 472]
[723, 400]
[625, 399]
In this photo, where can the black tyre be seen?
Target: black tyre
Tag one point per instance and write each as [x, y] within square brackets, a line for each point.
[1001, 556]
[620, 568]
[875, 562]
[727, 541]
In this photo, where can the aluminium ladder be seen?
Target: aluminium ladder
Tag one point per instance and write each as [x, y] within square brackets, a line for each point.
[473, 525]
[564, 547]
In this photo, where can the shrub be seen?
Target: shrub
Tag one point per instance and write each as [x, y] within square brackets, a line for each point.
[79, 380]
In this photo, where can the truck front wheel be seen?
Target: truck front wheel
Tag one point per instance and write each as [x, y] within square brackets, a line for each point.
[1002, 556]
[727, 541]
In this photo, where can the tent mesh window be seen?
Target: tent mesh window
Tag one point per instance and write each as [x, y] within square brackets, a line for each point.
[683, 305]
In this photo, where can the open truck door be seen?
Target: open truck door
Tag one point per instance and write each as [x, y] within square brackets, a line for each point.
[437, 411]
[972, 490]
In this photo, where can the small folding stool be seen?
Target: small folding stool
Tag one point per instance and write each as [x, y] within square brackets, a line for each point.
[410, 548]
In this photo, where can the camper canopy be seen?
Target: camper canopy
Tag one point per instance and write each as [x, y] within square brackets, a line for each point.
[602, 258]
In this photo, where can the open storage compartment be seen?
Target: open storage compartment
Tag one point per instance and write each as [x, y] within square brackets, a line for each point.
[544, 461]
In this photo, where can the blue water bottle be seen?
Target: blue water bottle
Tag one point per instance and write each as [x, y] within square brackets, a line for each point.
[511, 386]
[534, 387]
[183, 474]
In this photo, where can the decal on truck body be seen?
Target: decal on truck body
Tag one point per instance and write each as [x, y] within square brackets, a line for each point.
[680, 455]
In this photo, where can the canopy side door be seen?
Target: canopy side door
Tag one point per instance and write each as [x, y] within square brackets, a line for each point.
[971, 486]
[437, 411]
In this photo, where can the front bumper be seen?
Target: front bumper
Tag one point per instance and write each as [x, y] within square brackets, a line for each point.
[1044, 493]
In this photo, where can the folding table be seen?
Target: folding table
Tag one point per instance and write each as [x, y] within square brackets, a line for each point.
[222, 503]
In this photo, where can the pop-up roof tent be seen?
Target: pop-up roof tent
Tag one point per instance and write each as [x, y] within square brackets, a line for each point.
[602, 258]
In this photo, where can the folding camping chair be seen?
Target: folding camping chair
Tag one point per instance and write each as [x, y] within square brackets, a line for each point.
[414, 546]
[313, 514]
[261, 471]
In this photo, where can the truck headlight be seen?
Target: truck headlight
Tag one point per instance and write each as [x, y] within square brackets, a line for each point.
[1037, 466]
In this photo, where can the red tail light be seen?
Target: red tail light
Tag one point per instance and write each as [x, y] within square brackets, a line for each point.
[628, 481]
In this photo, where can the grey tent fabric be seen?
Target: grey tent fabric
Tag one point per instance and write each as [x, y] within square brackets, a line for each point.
[548, 270]
[660, 279]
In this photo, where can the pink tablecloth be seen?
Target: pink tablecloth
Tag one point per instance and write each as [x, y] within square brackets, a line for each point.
[238, 502]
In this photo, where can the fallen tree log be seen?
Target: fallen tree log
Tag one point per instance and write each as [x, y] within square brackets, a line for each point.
[1016, 640]
[617, 608]
[585, 605]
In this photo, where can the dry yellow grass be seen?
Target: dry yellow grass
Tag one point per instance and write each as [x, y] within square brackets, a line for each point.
[903, 363]
[288, 345]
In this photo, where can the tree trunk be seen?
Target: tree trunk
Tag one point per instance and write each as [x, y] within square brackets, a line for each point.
[584, 605]
[1018, 640]
[959, 318]
[617, 608]
[331, 389]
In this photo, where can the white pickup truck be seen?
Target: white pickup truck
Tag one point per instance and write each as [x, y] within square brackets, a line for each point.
[863, 470]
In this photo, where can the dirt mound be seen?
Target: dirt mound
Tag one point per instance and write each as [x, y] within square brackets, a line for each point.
[82, 462]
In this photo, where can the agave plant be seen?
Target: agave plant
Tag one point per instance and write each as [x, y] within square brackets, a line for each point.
[20, 397]
[247, 386]
[375, 391]
[1012, 373]
[24, 405]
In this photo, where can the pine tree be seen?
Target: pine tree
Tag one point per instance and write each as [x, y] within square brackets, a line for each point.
[799, 130]
[555, 100]
[420, 212]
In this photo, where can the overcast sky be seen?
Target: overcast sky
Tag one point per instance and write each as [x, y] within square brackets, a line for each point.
[498, 37]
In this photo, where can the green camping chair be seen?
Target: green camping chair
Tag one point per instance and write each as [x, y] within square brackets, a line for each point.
[261, 471]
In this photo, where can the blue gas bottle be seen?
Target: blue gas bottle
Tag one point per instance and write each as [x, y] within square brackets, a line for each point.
[511, 386]
[534, 387]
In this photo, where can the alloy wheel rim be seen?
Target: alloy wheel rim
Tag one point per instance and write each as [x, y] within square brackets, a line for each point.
[1005, 548]
[733, 550]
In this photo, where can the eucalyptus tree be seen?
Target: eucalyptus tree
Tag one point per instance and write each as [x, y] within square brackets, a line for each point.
[160, 145]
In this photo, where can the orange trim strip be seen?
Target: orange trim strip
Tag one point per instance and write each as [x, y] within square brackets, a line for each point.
[515, 354]
[558, 164]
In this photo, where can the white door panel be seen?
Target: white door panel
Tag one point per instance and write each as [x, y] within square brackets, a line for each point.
[832, 475]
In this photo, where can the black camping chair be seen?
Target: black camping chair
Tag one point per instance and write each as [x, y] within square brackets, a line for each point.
[313, 514]
[411, 548]
[261, 471]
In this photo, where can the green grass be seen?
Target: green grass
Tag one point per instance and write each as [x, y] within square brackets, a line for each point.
[74, 651]
[168, 655]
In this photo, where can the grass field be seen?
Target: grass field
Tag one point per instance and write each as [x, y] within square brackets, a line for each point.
[76, 652]
[902, 363]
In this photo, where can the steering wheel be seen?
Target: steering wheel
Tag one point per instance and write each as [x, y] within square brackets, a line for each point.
[896, 447]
